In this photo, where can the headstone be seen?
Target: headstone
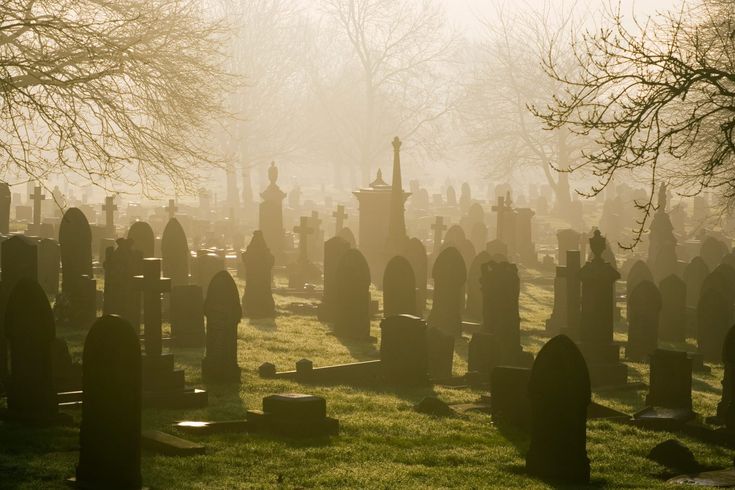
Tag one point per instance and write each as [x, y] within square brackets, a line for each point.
[49, 265]
[257, 300]
[187, 316]
[109, 208]
[510, 405]
[303, 270]
[558, 318]
[670, 380]
[637, 274]
[567, 240]
[644, 309]
[403, 350]
[120, 294]
[152, 285]
[143, 238]
[5, 197]
[474, 291]
[714, 319]
[334, 250]
[712, 252]
[573, 293]
[440, 348]
[78, 285]
[559, 389]
[37, 198]
[175, 253]
[449, 274]
[222, 309]
[726, 406]
[352, 310]
[109, 436]
[672, 327]
[347, 235]
[399, 288]
[30, 332]
[207, 264]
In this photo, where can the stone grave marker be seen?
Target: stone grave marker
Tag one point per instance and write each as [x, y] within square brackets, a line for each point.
[271, 214]
[143, 238]
[334, 250]
[110, 432]
[726, 406]
[293, 415]
[403, 350]
[175, 253]
[712, 252]
[415, 252]
[352, 309]
[440, 348]
[207, 264]
[30, 332]
[223, 312]
[449, 274]
[474, 292]
[559, 390]
[347, 235]
[638, 272]
[257, 300]
[558, 318]
[5, 198]
[644, 310]
[399, 288]
[120, 295]
[694, 275]
[187, 316]
[714, 319]
[77, 283]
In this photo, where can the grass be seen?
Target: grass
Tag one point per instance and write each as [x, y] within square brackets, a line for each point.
[383, 443]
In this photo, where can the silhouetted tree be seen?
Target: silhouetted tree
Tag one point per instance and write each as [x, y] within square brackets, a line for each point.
[111, 90]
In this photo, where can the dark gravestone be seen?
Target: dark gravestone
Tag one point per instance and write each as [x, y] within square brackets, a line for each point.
[152, 286]
[596, 318]
[399, 288]
[187, 316]
[222, 309]
[449, 274]
[175, 253]
[714, 316]
[257, 300]
[573, 293]
[638, 272]
[726, 406]
[143, 238]
[403, 352]
[500, 292]
[293, 415]
[415, 252]
[559, 390]
[49, 261]
[109, 436]
[644, 309]
[334, 250]
[75, 240]
[455, 235]
[347, 235]
[694, 275]
[30, 332]
[670, 380]
[5, 197]
[352, 309]
[672, 327]
[120, 296]
[474, 292]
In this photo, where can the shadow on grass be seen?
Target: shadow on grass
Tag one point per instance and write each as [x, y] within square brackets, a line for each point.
[263, 324]
[594, 482]
[700, 385]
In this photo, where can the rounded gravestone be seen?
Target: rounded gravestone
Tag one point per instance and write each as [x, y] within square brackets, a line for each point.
[455, 236]
[694, 275]
[399, 288]
[714, 319]
[559, 391]
[673, 309]
[712, 252]
[109, 436]
[75, 240]
[352, 310]
[449, 274]
[638, 272]
[415, 252]
[223, 313]
[175, 253]
[143, 238]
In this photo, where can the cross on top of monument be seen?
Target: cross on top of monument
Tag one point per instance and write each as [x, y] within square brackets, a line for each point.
[109, 208]
[341, 216]
[171, 208]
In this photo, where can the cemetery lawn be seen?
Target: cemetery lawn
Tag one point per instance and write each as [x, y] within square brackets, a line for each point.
[382, 443]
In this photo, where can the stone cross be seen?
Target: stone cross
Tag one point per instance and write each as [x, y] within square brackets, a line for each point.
[152, 285]
[439, 227]
[341, 216]
[171, 208]
[109, 208]
[303, 231]
[37, 198]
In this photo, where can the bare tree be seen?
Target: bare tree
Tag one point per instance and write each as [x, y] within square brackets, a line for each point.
[394, 69]
[113, 91]
[657, 96]
[507, 77]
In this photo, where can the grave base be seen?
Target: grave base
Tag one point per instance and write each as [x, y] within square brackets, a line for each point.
[169, 445]
[263, 422]
[213, 372]
[661, 418]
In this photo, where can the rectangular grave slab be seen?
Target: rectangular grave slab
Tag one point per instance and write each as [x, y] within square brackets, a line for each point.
[293, 415]
[169, 445]
[662, 418]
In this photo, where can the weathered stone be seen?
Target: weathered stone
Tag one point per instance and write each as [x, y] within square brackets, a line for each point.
[399, 288]
[222, 309]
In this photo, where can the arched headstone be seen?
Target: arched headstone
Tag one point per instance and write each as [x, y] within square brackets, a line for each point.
[638, 272]
[644, 309]
[109, 436]
[352, 310]
[175, 253]
[222, 309]
[399, 288]
[559, 390]
[672, 327]
[694, 275]
[449, 274]
[75, 240]
[334, 250]
[143, 238]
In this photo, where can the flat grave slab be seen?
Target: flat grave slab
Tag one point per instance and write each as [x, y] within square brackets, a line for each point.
[169, 445]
